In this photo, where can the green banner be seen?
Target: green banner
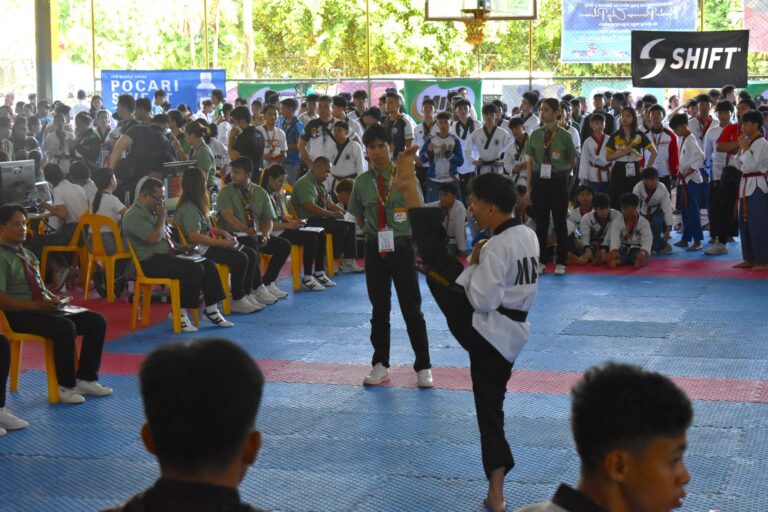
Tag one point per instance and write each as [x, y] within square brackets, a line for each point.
[758, 89]
[417, 90]
[255, 90]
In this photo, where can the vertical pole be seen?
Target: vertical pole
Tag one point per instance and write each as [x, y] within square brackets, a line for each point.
[530, 55]
[46, 49]
[368, 45]
[93, 44]
[701, 15]
[205, 33]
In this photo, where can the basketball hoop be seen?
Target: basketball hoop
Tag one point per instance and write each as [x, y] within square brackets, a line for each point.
[474, 20]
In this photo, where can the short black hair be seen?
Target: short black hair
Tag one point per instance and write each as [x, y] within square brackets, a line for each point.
[597, 116]
[495, 189]
[657, 108]
[395, 96]
[745, 95]
[515, 122]
[751, 104]
[490, 108]
[601, 201]
[376, 132]
[531, 98]
[703, 98]
[290, 103]
[81, 94]
[753, 116]
[344, 185]
[650, 173]
[341, 124]
[629, 199]
[128, 102]
[150, 185]
[724, 106]
[598, 95]
[428, 101]
[444, 115]
[678, 120]
[201, 400]
[320, 160]
[7, 211]
[217, 93]
[53, 174]
[160, 93]
[242, 162]
[374, 112]
[585, 188]
[360, 94]
[79, 171]
[325, 99]
[626, 407]
[339, 101]
[727, 89]
[144, 104]
[462, 103]
[449, 188]
[241, 113]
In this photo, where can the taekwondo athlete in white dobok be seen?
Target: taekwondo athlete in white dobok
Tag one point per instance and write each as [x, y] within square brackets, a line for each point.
[488, 143]
[347, 161]
[656, 207]
[486, 306]
[594, 229]
[753, 194]
[689, 186]
[630, 239]
[463, 127]
[594, 167]
[515, 157]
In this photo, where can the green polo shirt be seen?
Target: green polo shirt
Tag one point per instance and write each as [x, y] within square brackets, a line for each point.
[190, 219]
[13, 279]
[561, 149]
[230, 198]
[365, 202]
[203, 155]
[308, 190]
[138, 225]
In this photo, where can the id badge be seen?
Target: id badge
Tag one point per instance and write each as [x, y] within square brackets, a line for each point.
[630, 168]
[546, 171]
[386, 240]
[401, 215]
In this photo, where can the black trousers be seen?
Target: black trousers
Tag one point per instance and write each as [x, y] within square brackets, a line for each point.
[343, 234]
[63, 330]
[620, 183]
[714, 209]
[489, 370]
[242, 265]
[314, 248]
[278, 248]
[5, 367]
[193, 277]
[550, 197]
[380, 273]
[464, 180]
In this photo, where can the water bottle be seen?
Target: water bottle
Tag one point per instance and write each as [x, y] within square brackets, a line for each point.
[204, 88]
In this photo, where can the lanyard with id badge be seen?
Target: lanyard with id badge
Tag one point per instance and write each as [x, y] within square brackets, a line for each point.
[386, 235]
[546, 166]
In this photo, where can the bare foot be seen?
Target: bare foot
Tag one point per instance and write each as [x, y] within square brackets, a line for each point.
[744, 264]
[494, 504]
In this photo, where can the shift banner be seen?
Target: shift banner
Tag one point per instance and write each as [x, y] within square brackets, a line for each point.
[689, 59]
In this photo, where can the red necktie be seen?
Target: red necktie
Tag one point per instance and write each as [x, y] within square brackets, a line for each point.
[382, 216]
[29, 273]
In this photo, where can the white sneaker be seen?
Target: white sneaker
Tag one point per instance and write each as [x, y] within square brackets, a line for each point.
[276, 292]
[560, 270]
[187, 325]
[350, 266]
[312, 284]
[9, 421]
[258, 306]
[262, 295]
[242, 305]
[92, 388]
[716, 249]
[424, 379]
[378, 375]
[217, 319]
[70, 396]
[323, 279]
[2, 432]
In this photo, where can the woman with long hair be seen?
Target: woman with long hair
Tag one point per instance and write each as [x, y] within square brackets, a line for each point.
[104, 203]
[199, 151]
[216, 244]
[626, 148]
[287, 227]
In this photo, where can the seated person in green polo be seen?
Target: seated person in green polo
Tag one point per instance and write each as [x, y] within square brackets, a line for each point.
[245, 210]
[145, 228]
[312, 203]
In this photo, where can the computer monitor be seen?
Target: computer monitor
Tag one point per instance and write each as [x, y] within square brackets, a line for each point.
[172, 173]
[44, 192]
[17, 181]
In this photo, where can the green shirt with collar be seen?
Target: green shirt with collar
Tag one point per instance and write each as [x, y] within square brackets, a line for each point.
[307, 190]
[561, 150]
[365, 202]
[138, 226]
[230, 198]
[190, 219]
[203, 155]
[13, 278]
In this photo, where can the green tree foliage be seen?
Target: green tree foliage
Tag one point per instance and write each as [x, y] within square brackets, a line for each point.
[309, 38]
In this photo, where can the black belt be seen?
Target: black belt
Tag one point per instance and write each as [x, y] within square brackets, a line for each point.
[513, 314]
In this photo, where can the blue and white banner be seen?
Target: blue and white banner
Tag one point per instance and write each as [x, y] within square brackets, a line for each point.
[600, 31]
[189, 86]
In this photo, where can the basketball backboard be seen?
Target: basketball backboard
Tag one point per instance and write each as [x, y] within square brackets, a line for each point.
[451, 10]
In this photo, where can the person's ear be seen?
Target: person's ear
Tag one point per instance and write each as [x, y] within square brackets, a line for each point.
[616, 465]
[146, 437]
[251, 448]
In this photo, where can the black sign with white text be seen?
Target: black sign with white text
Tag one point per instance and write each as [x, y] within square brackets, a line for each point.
[689, 59]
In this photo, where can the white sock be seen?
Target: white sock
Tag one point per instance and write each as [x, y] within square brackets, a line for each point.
[262, 287]
[183, 312]
[319, 273]
[212, 309]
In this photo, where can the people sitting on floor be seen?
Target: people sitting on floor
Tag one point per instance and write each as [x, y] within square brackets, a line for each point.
[454, 217]
[245, 211]
[630, 238]
[594, 229]
[656, 207]
[273, 180]
[69, 204]
[629, 426]
[31, 308]
[201, 400]
[144, 225]
[312, 203]
[8, 421]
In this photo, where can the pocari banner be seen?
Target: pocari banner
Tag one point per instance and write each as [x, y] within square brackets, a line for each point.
[690, 59]
[417, 90]
[255, 90]
[189, 86]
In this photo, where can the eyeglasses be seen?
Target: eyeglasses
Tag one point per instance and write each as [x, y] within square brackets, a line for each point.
[158, 198]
